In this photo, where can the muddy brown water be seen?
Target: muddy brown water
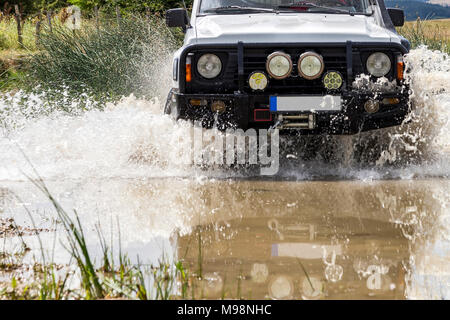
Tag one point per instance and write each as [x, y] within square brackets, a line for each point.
[257, 239]
[311, 240]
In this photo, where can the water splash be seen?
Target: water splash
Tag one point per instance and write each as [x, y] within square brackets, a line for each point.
[425, 134]
[134, 139]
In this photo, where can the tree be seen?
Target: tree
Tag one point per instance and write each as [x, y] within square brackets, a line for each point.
[27, 7]
[89, 4]
[130, 5]
[50, 4]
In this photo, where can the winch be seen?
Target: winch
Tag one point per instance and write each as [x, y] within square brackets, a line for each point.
[297, 121]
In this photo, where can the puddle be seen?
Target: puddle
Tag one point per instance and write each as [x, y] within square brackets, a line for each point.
[257, 239]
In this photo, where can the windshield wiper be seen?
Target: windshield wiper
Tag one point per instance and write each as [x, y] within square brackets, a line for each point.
[309, 5]
[238, 9]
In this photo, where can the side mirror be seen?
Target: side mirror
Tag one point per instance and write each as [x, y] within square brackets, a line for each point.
[177, 18]
[397, 16]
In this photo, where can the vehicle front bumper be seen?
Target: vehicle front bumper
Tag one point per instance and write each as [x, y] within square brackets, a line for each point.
[240, 112]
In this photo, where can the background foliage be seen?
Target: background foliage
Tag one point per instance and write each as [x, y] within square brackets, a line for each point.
[29, 7]
[107, 63]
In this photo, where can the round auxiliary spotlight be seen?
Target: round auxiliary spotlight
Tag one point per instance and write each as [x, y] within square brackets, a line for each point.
[310, 65]
[332, 80]
[279, 65]
[258, 80]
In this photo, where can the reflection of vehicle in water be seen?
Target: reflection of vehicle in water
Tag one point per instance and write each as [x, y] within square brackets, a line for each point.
[293, 65]
[252, 238]
[287, 258]
[385, 234]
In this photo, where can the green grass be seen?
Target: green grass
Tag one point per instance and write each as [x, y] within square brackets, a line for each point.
[96, 283]
[9, 38]
[435, 34]
[115, 61]
[12, 69]
[124, 280]
[12, 79]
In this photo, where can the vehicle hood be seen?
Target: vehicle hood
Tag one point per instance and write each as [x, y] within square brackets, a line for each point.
[281, 28]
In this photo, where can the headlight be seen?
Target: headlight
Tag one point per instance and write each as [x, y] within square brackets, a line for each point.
[279, 65]
[310, 65]
[209, 66]
[378, 64]
[257, 80]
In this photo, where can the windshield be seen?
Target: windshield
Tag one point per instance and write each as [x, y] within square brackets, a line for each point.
[261, 6]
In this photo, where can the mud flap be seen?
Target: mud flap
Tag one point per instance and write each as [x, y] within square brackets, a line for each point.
[171, 106]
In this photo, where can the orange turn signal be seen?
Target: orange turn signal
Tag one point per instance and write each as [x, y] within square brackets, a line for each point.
[400, 68]
[390, 101]
[188, 72]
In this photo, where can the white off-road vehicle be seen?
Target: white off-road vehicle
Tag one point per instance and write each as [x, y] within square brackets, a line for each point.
[319, 66]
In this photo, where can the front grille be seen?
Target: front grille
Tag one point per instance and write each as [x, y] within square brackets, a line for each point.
[255, 60]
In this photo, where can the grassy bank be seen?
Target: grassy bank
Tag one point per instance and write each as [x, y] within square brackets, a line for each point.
[113, 277]
[9, 39]
[13, 56]
[12, 65]
[442, 24]
[103, 61]
[433, 33]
